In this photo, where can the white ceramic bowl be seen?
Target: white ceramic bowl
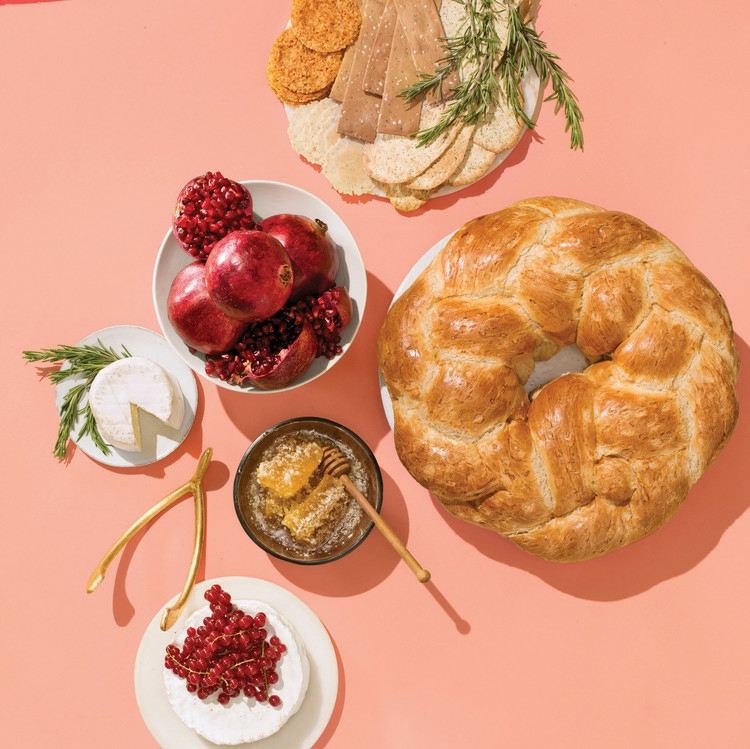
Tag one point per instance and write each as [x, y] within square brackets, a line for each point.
[269, 198]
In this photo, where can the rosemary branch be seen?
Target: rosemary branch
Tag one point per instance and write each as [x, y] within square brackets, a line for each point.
[494, 71]
[86, 362]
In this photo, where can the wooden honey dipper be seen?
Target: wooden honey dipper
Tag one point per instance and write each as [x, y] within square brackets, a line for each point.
[335, 464]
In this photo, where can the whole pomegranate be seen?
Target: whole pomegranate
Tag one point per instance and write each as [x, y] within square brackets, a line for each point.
[249, 275]
[208, 208]
[200, 323]
[313, 254]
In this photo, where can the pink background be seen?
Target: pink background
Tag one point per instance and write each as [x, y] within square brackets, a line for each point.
[108, 108]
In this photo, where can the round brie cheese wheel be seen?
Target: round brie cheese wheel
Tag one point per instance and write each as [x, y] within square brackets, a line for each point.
[125, 386]
[244, 720]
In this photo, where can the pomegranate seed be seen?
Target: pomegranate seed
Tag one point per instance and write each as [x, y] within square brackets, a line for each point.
[208, 208]
[258, 350]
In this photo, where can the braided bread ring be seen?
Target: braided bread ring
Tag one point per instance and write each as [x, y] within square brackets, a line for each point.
[597, 459]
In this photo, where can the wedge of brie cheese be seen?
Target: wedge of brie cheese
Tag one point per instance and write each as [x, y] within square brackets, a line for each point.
[124, 387]
[244, 720]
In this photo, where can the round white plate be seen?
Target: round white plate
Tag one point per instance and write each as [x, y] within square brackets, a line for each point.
[302, 730]
[269, 198]
[533, 98]
[567, 359]
[158, 439]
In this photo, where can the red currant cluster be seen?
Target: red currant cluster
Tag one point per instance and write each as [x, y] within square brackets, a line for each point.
[229, 654]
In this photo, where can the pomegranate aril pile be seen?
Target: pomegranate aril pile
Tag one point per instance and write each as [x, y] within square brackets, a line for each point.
[258, 349]
[209, 208]
[230, 653]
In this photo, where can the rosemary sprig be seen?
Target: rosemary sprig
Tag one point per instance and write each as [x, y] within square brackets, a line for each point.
[478, 48]
[86, 362]
[525, 50]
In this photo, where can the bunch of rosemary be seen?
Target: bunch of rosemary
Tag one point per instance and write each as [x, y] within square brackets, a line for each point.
[84, 362]
[495, 71]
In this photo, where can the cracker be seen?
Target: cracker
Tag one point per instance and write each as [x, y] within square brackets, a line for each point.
[397, 115]
[287, 95]
[439, 172]
[394, 159]
[312, 129]
[374, 81]
[300, 69]
[326, 25]
[360, 110]
[345, 169]
[338, 90]
[501, 131]
[405, 200]
[477, 162]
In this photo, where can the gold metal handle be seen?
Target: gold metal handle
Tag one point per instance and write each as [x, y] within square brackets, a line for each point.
[172, 613]
[100, 570]
[194, 487]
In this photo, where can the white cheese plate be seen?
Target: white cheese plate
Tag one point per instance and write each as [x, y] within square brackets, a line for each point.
[158, 439]
[303, 728]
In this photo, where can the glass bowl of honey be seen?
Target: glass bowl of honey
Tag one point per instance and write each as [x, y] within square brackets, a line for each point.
[290, 507]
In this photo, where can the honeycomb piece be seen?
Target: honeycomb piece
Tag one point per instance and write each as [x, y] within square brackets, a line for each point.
[290, 468]
[314, 519]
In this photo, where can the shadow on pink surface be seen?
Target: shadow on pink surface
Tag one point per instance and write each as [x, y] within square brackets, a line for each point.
[122, 608]
[348, 393]
[718, 499]
[338, 708]
[366, 566]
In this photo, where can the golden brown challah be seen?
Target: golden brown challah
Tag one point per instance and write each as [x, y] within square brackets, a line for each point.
[596, 459]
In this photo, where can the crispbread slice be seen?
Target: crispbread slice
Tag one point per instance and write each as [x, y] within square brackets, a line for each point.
[441, 170]
[477, 162]
[398, 116]
[501, 131]
[360, 110]
[312, 129]
[377, 65]
[338, 90]
[394, 159]
[406, 200]
[345, 169]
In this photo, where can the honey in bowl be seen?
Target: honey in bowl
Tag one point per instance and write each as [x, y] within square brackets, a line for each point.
[289, 506]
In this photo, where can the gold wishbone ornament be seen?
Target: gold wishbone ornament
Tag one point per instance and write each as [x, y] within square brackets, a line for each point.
[195, 487]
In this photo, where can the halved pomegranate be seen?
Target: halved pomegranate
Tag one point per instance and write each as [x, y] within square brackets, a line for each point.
[208, 208]
[280, 369]
[274, 352]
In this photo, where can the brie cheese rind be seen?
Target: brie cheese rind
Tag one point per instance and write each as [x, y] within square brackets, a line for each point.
[244, 720]
[125, 386]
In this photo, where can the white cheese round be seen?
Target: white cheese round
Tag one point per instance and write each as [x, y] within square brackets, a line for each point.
[244, 720]
[125, 386]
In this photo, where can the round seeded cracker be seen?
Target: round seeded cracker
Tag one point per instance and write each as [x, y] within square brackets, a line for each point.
[326, 25]
[300, 69]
